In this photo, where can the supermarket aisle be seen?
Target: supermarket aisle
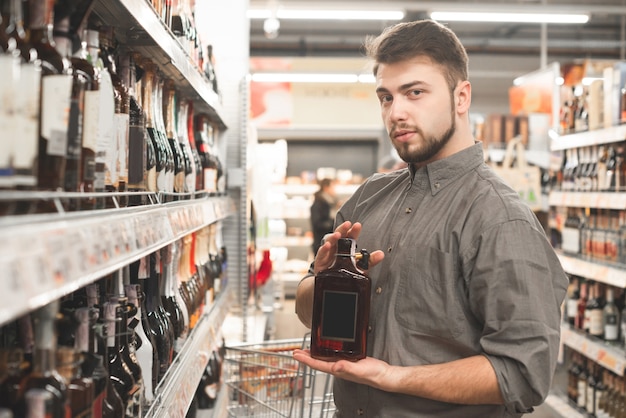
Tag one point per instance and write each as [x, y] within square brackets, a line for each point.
[288, 326]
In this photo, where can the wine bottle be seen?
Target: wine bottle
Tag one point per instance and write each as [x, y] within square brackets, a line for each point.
[172, 310]
[341, 306]
[141, 342]
[610, 317]
[56, 88]
[160, 125]
[11, 375]
[44, 374]
[169, 113]
[185, 145]
[26, 104]
[192, 144]
[203, 130]
[80, 389]
[137, 135]
[140, 275]
[39, 403]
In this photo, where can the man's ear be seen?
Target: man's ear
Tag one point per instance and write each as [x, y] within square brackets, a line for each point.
[463, 97]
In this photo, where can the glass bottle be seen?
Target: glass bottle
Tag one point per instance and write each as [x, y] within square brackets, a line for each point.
[141, 342]
[137, 135]
[184, 274]
[26, 104]
[139, 275]
[169, 113]
[209, 167]
[161, 168]
[140, 111]
[118, 163]
[174, 286]
[185, 145]
[160, 124]
[119, 374]
[170, 304]
[159, 324]
[44, 374]
[341, 306]
[11, 375]
[80, 389]
[610, 317]
[194, 150]
[56, 88]
[39, 403]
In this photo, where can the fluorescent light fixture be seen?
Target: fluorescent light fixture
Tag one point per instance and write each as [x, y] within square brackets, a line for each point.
[328, 14]
[510, 17]
[311, 78]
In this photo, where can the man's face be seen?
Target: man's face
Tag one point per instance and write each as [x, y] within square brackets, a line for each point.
[417, 108]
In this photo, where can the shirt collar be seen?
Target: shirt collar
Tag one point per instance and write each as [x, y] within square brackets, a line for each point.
[441, 173]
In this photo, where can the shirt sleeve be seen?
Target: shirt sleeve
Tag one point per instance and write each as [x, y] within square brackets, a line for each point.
[516, 287]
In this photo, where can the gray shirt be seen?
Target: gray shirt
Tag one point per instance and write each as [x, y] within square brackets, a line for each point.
[468, 270]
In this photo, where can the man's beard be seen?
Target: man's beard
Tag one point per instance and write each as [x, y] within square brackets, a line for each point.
[428, 147]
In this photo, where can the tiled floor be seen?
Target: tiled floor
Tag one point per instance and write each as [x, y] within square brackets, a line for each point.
[287, 326]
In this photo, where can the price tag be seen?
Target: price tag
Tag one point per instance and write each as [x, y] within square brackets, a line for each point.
[59, 258]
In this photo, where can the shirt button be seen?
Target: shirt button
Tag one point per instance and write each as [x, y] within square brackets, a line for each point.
[379, 290]
[360, 411]
[437, 185]
[389, 249]
[408, 210]
[369, 328]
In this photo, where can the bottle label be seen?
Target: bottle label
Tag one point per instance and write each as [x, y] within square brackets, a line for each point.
[596, 327]
[339, 311]
[91, 116]
[582, 392]
[9, 68]
[55, 109]
[210, 180]
[25, 150]
[572, 308]
[122, 126]
[107, 146]
[611, 329]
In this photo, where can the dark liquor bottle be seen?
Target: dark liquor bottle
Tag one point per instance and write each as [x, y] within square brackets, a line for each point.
[611, 317]
[118, 171]
[80, 389]
[185, 145]
[160, 124]
[572, 301]
[594, 306]
[148, 104]
[119, 374]
[44, 374]
[579, 323]
[203, 137]
[80, 83]
[26, 104]
[56, 88]
[11, 375]
[169, 113]
[138, 110]
[341, 305]
[160, 325]
[194, 150]
[141, 342]
[184, 275]
[168, 299]
[39, 403]
[137, 135]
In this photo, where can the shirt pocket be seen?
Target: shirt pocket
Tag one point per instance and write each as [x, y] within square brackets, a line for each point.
[427, 301]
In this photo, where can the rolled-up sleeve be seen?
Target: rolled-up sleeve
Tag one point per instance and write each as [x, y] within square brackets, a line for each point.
[516, 285]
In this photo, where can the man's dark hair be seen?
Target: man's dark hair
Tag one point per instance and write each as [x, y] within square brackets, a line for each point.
[426, 38]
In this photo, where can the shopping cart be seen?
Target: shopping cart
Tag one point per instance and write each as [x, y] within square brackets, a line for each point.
[265, 381]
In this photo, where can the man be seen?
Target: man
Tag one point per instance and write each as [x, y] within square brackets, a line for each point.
[466, 289]
[322, 211]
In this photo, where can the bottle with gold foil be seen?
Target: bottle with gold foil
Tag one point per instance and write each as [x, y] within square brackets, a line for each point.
[80, 389]
[341, 305]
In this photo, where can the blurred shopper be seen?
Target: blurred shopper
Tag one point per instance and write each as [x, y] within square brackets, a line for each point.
[466, 289]
[323, 211]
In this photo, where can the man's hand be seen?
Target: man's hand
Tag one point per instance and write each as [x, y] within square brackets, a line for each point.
[326, 253]
[368, 371]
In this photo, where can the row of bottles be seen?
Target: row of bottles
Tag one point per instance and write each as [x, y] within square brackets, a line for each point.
[593, 168]
[104, 349]
[593, 390]
[592, 234]
[179, 17]
[82, 113]
[596, 309]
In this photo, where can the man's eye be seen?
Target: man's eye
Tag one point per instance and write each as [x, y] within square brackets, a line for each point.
[415, 92]
[385, 99]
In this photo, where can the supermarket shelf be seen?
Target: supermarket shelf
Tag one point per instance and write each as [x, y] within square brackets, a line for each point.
[610, 357]
[561, 408]
[138, 25]
[603, 273]
[601, 200]
[178, 387]
[584, 139]
[43, 258]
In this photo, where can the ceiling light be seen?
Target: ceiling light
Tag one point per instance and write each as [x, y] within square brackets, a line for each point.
[328, 14]
[510, 17]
